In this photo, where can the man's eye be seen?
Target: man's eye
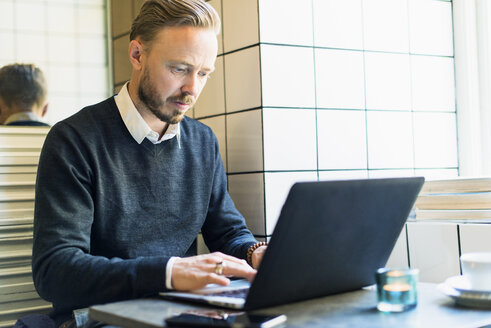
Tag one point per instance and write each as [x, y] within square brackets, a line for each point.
[176, 69]
[204, 75]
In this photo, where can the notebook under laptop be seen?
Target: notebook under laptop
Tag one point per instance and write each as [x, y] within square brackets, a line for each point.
[331, 237]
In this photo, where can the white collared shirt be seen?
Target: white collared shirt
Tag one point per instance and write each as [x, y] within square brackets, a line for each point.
[23, 116]
[135, 123]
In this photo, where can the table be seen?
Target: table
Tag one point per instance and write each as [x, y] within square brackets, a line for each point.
[352, 309]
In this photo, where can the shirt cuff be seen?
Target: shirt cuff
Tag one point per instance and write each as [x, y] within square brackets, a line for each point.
[168, 272]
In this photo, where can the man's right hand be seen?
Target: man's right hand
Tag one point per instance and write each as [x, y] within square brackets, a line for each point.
[196, 272]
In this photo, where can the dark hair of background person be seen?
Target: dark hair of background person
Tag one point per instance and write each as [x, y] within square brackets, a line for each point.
[22, 86]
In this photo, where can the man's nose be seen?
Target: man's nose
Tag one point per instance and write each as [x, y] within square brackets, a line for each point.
[191, 85]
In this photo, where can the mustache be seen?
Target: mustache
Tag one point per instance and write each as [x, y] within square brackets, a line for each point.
[185, 99]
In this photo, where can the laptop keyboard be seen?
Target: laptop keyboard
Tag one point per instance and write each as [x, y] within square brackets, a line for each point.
[236, 293]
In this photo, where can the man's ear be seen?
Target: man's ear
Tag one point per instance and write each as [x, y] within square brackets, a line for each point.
[45, 110]
[135, 53]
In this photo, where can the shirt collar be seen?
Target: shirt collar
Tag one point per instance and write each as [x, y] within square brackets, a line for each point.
[135, 123]
[23, 116]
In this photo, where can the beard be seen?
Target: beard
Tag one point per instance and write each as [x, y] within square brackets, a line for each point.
[149, 96]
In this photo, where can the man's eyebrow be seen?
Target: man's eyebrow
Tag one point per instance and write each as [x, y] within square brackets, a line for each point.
[176, 62]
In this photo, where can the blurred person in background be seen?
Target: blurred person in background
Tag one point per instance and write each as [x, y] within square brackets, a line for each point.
[23, 95]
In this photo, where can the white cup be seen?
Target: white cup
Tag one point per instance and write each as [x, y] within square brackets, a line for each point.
[477, 268]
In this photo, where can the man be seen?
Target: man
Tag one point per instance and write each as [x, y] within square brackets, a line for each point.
[22, 95]
[125, 186]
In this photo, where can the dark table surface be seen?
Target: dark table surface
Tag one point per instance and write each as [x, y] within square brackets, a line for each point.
[352, 309]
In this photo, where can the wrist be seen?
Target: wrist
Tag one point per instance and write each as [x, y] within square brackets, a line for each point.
[251, 250]
[168, 272]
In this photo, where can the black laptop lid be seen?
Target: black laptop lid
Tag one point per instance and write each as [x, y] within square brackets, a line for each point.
[331, 237]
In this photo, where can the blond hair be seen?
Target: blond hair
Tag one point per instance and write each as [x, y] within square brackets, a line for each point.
[157, 14]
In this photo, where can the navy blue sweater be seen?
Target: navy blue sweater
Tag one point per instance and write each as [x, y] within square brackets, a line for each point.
[110, 212]
[28, 123]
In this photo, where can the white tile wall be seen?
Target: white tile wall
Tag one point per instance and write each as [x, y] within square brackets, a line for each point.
[434, 139]
[390, 140]
[61, 18]
[212, 98]
[437, 174]
[62, 49]
[340, 80]
[242, 80]
[433, 83]
[240, 24]
[98, 77]
[190, 112]
[91, 20]
[289, 139]
[217, 4]
[431, 27]
[475, 238]
[120, 60]
[121, 12]
[277, 186]
[63, 79]
[388, 81]
[31, 48]
[433, 249]
[89, 2]
[217, 124]
[343, 175]
[202, 249]
[276, 19]
[377, 174]
[68, 102]
[7, 15]
[399, 258]
[341, 139]
[338, 24]
[30, 16]
[87, 100]
[247, 191]
[7, 54]
[266, 239]
[285, 84]
[90, 45]
[244, 142]
[382, 97]
[386, 25]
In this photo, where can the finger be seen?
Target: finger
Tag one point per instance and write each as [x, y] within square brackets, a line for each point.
[214, 259]
[212, 266]
[233, 269]
[197, 279]
[220, 256]
[213, 278]
[210, 278]
[225, 267]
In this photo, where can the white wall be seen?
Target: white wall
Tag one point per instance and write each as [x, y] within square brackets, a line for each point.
[67, 40]
[330, 89]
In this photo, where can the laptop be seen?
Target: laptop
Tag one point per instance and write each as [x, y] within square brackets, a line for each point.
[330, 238]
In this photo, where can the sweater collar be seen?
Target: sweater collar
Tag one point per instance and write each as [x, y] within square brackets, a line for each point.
[135, 123]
